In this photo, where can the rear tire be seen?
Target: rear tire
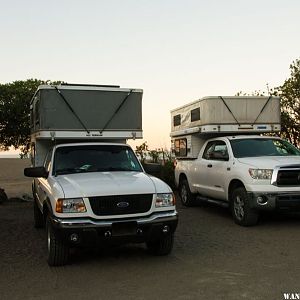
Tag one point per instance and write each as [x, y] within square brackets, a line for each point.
[58, 250]
[241, 211]
[38, 217]
[162, 246]
[187, 198]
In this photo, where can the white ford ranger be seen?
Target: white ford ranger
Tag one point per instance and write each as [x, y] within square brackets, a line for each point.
[248, 173]
[99, 192]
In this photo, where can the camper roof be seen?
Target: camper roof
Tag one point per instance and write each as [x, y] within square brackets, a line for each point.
[216, 98]
[87, 87]
[220, 114]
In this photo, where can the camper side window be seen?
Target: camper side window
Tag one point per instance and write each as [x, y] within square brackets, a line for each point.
[31, 117]
[37, 112]
[180, 147]
[195, 114]
[177, 120]
[32, 154]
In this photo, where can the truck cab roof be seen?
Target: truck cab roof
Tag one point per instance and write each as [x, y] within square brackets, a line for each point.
[236, 137]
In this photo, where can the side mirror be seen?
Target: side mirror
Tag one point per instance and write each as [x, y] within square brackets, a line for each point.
[36, 172]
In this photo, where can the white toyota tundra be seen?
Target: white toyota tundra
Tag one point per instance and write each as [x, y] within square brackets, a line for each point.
[248, 173]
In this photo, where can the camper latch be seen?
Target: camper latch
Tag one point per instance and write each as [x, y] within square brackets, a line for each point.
[52, 134]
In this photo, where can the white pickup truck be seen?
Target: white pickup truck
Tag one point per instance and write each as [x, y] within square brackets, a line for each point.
[249, 173]
[89, 186]
[92, 192]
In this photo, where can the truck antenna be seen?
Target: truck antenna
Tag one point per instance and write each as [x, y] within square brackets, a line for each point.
[268, 89]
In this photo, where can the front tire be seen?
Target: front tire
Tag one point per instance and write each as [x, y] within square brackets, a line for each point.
[187, 198]
[58, 250]
[241, 211]
[162, 246]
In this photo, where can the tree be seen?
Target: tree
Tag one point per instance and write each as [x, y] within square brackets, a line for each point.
[289, 94]
[154, 154]
[141, 151]
[15, 100]
[290, 105]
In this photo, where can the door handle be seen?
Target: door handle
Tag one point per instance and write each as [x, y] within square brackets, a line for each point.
[209, 165]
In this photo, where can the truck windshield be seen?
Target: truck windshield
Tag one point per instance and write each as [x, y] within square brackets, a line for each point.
[94, 158]
[262, 147]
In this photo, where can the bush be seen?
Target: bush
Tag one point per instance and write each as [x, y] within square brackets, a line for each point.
[168, 173]
[164, 172]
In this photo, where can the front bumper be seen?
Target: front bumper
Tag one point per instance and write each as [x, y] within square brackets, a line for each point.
[92, 231]
[285, 201]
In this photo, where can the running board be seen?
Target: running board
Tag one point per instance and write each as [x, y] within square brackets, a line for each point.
[213, 201]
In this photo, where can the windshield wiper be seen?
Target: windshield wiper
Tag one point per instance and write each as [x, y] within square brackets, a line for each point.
[116, 169]
[69, 171]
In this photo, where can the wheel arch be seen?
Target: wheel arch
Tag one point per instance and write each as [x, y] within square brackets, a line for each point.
[182, 177]
[47, 208]
[235, 183]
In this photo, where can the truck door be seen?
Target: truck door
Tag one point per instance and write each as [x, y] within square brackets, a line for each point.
[213, 169]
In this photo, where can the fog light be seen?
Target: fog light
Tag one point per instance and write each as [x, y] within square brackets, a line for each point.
[261, 200]
[139, 231]
[107, 233]
[74, 237]
[166, 229]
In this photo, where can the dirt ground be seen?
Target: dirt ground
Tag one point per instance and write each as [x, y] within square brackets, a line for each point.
[12, 179]
[212, 258]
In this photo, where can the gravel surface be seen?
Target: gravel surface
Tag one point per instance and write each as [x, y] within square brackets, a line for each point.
[212, 259]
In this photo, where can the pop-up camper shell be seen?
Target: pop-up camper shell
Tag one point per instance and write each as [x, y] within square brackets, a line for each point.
[83, 113]
[193, 123]
[71, 111]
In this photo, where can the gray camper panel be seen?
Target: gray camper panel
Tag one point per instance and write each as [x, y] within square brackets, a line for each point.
[110, 109]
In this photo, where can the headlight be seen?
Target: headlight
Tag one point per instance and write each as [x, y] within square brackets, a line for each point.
[163, 200]
[71, 205]
[261, 173]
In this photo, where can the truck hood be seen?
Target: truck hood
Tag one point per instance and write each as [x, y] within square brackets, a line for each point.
[105, 183]
[269, 162]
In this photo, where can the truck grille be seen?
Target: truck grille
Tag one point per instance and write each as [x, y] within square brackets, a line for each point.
[121, 204]
[287, 176]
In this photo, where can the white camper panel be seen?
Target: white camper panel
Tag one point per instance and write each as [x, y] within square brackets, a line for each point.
[41, 147]
[227, 115]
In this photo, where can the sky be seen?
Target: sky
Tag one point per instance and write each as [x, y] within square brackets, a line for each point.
[176, 51]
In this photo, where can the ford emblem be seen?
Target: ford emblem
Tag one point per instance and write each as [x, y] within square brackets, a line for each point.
[122, 204]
